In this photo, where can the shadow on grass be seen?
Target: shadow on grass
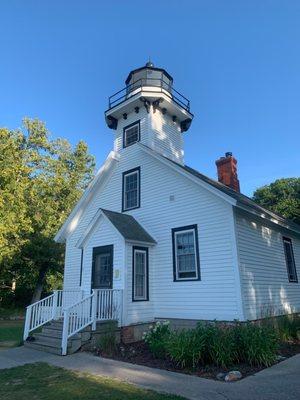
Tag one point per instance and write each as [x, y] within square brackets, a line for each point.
[11, 333]
[44, 382]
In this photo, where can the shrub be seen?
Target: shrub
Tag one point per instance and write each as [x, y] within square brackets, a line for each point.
[186, 347]
[220, 345]
[107, 341]
[288, 327]
[215, 344]
[256, 345]
[157, 337]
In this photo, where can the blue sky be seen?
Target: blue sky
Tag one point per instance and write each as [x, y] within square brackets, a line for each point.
[237, 61]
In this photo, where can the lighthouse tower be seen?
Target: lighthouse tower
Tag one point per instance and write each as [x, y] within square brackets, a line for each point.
[150, 111]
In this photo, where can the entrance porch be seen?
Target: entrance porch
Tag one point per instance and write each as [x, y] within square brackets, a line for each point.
[74, 312]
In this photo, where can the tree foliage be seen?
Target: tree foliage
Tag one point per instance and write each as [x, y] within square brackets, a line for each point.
[282, 197]
[40, 181]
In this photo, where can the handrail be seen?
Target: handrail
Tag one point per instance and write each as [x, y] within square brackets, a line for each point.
[76, 317]
[161, 84]
[49, 308]
[38, 314]
[101, 305]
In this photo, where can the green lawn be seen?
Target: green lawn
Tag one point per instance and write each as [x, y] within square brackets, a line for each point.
[43, 382]
[11, 333]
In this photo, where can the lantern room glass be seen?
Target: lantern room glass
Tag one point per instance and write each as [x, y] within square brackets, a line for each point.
[149, 77]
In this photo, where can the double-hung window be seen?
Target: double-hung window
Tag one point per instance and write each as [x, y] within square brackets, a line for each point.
[290, 260]
[186, 253]
[140, 274]
[131, 134]
[131, 189]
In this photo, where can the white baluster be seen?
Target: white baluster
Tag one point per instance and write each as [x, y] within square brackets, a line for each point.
[55, 301]
[64, 344]
[94, 309]
[27, 322]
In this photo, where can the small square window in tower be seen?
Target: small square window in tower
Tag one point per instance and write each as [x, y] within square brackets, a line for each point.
[131, 134]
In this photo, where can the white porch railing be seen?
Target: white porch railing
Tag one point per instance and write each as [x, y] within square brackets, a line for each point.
[49, 308]
[76, 317]
[38, 314]
[108, 304]
[77, 311]
[101, 305]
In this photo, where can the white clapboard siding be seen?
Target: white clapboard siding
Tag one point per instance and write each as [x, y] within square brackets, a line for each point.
[157, 131]
[265, 285]
[215, 296]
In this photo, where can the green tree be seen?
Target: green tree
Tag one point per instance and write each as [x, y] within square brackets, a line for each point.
[40, 182]
[282, 197]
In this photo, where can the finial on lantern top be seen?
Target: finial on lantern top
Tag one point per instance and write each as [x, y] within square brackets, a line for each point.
[149, 64]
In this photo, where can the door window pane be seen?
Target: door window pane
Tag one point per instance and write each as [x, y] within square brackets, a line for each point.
[102, 271]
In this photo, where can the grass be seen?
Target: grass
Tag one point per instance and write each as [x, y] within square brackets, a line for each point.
[44, 382]
[9, 312]
[11, 333]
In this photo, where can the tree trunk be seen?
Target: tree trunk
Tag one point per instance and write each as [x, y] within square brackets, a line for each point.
[39, 285]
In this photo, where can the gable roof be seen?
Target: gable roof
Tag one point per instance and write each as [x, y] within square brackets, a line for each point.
[125, 224]
[241, 201]
[102, 174]
[128, 226]
[238, 200]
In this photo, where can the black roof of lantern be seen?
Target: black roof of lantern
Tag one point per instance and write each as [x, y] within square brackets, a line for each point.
[149, 65]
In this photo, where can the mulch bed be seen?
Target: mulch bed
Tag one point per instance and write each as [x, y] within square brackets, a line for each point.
[138, 353]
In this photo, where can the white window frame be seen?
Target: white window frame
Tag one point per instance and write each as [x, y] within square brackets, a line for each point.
[140, 250]
[125, 175]
[126, 129]
[176, 233]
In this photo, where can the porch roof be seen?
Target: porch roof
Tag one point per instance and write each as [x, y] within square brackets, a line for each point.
[128, 226]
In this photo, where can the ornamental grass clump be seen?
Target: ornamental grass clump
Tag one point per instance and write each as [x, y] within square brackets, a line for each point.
[156, 338]
[186, 348]
[288, 327]
[107, 341]
[220, 345]
[213, 344]
[256, 345]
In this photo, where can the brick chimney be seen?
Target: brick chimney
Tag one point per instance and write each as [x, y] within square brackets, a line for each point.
[227, 171]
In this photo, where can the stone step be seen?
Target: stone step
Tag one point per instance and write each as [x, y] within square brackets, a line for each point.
[45, 335]
[48, 331]
[46, 340]
[53, 345]
[42, 347]
[55, 324]
[50, 338]
[54, 333]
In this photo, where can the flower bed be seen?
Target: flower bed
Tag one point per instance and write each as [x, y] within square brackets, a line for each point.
[211, 348]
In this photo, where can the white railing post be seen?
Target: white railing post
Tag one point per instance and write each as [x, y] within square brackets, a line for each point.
[64, 343]
[27, 322]
[54, 305]
[94, 309]
[120, 308]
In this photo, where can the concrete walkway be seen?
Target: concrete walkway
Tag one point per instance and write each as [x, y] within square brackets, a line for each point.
[280, 382]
